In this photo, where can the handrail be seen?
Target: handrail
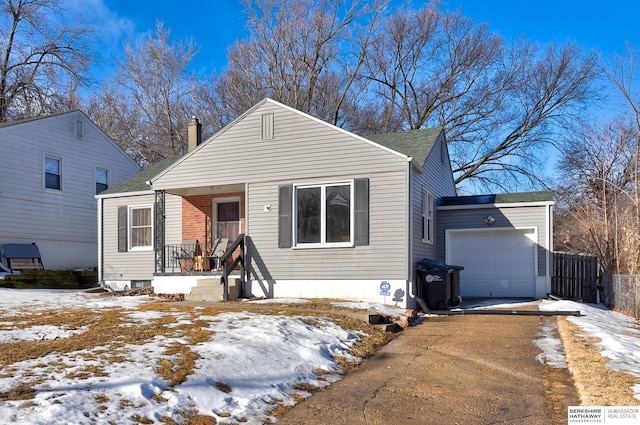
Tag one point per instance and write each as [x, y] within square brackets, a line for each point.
[228, 268]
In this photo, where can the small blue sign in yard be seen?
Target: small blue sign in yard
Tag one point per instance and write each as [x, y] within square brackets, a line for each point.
[385, 288]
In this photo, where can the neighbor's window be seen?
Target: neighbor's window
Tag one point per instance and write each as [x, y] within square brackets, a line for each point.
[140, 227]
[52, 173]
[324, 214]
[102, 180]
[427, 216]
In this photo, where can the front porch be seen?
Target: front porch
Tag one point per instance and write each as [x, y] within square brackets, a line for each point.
[194, 276]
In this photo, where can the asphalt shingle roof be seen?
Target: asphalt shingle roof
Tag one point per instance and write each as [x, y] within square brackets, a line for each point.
[414, 143]
[499, 198]
[138, 183]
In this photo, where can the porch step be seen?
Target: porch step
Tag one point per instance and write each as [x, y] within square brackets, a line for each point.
[212, 290]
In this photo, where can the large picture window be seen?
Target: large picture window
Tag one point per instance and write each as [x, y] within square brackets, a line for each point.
[141, 227]
[324, 214]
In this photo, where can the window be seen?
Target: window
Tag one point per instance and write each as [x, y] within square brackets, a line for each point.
[323, 214]
[140, 227]
[102, 180]
[79, 129]
[427, 216]
[52, 173]
[227, 220]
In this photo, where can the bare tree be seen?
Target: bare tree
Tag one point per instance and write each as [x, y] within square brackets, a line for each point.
[148, 106]
[306, 54]
[42, 60]
[597, 213]
[499, 103]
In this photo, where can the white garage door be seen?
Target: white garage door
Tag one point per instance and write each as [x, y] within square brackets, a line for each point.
[498, 263]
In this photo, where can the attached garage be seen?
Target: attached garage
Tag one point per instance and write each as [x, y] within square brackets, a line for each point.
[498, 263]
[503, 241]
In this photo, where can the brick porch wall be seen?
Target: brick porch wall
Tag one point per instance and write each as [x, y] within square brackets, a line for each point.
[197, 217]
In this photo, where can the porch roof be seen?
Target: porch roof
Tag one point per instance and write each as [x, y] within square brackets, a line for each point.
[138, 182]
[416, 144]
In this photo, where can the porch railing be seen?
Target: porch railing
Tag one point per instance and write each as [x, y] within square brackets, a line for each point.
[229, 266]
[187, 257]
[181, 256]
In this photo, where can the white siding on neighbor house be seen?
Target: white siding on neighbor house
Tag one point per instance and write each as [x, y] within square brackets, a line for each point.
[134, 265]
[62, 223]
[437, 179]
[304, 150]
[508, 217]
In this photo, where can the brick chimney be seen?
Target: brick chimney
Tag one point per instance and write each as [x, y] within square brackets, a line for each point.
[194, 134]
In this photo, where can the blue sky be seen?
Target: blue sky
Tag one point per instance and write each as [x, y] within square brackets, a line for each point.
[214, 24]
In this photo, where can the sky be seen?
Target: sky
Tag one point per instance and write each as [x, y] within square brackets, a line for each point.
[282, 350]
[214, 25]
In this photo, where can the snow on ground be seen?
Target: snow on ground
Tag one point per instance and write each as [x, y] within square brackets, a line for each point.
[260, 358]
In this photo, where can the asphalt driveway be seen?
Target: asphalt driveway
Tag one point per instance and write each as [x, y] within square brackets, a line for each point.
[471, 369]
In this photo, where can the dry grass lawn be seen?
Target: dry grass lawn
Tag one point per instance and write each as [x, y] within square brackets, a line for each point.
[109, 331]
[595, 384]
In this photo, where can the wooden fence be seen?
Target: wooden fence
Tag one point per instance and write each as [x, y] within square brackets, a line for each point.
[575, 277]
[622, 294]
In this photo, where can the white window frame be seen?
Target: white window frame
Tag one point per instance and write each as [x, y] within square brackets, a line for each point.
[426, 215]
[44, 175]
[130, 227]
[323, 215]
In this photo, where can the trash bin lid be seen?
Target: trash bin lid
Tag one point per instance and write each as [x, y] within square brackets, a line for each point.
[426, 262]
[432, 264]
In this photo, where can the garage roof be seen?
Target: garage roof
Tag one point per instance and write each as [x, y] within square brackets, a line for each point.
[498, 198]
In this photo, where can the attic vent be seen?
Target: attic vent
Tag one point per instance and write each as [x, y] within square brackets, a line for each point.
[267, 126]
[79, 129]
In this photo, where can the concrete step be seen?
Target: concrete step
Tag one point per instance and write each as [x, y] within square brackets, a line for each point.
[212, 290]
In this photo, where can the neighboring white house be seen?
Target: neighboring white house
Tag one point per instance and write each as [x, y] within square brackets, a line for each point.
[52, 169]
[325, 213]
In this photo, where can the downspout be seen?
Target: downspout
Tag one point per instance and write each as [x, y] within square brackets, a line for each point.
[549, 246]
[410, 281]
[100, 237]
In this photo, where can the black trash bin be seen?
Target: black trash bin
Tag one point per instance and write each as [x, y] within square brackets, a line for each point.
[438, 284]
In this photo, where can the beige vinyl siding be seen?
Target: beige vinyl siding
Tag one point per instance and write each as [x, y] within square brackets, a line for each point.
[62, 223]
[507, 217]
[304, 151]
[131, 265]
[135, 265]
[437, 179]
[300, 147]
[384, 257]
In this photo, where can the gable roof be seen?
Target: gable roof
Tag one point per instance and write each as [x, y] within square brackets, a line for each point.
[267, 100]
[499, 198]
[416, 144]
[44, 117]
[138, 182]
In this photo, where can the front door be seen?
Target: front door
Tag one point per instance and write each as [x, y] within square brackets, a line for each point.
[226, 218]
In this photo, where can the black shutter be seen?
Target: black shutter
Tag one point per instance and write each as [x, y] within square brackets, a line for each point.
[361, 208]
[122, 229]
[285, 212]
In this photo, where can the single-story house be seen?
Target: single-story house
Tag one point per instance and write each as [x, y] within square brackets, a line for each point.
[316, 212]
